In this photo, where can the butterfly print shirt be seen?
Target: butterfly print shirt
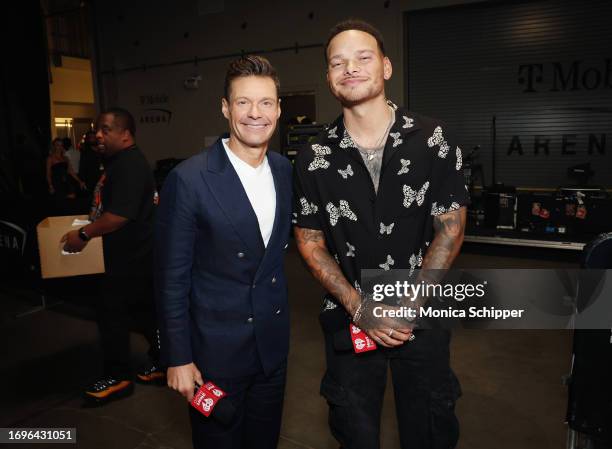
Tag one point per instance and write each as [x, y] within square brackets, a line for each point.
[421, 177]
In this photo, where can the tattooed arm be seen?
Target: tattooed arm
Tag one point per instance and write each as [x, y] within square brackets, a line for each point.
[449, 229]
[311, 244]
[312, 247]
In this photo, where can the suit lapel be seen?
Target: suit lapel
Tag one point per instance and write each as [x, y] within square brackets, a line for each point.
[232, 199]
[282, 190]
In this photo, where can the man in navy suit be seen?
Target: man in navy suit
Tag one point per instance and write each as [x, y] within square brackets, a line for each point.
[223, 225]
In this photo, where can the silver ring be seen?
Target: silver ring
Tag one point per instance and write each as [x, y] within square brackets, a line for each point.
[390, 333]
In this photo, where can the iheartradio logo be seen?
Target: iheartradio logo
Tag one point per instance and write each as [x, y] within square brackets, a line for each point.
[359, 343]
[207, 404]
[206, 398]
[217, 393]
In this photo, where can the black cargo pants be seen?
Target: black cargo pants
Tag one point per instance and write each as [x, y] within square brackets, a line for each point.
[424, 385]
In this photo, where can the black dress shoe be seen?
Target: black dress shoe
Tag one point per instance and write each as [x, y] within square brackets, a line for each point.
[151, 374]
[108, 389]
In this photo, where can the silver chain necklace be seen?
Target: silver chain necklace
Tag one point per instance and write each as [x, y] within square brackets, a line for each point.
[370, 154]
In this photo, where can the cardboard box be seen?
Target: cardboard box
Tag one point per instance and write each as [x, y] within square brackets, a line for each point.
[55, 264]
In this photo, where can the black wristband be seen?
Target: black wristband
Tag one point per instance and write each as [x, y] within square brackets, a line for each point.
[83, 235]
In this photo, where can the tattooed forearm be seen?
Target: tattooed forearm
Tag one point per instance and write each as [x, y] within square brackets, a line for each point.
[442, 251]
[311, 244]
[445, 246]
[326, 270]
[304, 236]
[448, 238]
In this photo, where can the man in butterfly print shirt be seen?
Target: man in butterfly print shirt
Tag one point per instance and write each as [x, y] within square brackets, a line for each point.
[382, 187]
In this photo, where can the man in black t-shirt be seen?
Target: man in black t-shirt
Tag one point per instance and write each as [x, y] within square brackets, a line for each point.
[381, 188]
[123, 208]
[90, 168]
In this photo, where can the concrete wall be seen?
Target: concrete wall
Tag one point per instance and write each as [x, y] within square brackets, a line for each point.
[141, 33]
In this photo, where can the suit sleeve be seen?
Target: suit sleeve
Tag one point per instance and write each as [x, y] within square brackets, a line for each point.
[175, 232]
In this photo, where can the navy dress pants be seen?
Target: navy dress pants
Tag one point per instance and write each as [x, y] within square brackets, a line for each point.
[258, 400]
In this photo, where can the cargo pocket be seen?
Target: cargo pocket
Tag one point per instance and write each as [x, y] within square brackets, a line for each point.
[340, 419]
[333, 391]
[444, 425]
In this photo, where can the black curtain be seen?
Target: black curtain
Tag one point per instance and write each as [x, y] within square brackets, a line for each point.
[24, 101]
[24, 135]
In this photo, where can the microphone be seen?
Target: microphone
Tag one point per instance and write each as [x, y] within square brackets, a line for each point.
[209, 400]
[345, 336]
[336, 322]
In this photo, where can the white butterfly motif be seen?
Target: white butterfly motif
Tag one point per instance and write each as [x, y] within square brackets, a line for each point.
[351, 250]
[388, 264]
[438, 139]
[435, 210]
[409, 122]
[438, 210]
[405, 164]
[358, 287]
[410, 195]
[328, 304]
[346, 173]
[308, 208]
[459, 159]
[294, 219]
[415, 261]
[343, 210]
[396, 139]
[331, 134]
[386, 229]
[347, 141]
[319, 159]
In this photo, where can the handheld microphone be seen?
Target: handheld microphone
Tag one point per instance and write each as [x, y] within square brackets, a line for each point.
[209, 400]
[337, 323]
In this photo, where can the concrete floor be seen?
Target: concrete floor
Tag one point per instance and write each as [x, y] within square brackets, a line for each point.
[513, 395]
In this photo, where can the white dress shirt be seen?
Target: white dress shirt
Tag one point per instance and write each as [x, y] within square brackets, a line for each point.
[258, 184]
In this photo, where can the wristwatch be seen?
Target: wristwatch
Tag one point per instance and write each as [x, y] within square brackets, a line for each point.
[83, 235]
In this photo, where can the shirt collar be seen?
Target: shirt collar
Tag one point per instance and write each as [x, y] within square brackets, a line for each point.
[237, 162]
[405, 123]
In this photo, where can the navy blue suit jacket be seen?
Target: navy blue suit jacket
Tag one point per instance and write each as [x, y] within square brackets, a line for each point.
[221, 294]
